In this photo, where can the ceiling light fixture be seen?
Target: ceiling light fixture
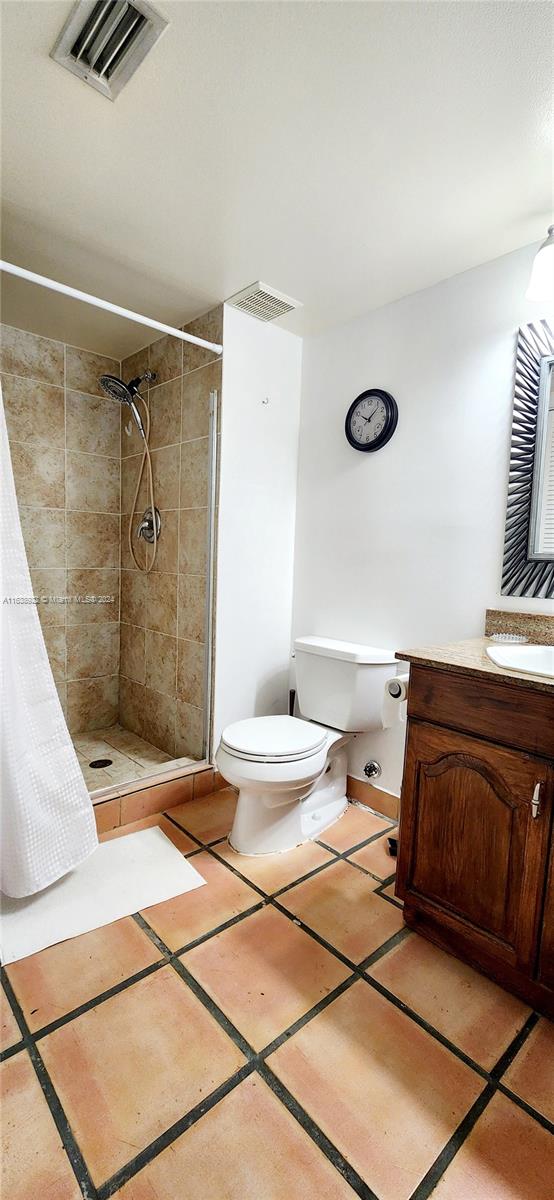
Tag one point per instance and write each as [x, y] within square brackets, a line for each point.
[541, 283]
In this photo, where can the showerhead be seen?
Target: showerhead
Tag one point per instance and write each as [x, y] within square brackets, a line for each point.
[125, 393]
[115, 388]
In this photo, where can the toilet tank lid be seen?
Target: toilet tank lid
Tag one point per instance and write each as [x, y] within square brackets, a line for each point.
[348, 651]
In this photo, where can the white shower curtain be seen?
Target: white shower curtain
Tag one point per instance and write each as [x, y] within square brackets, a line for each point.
[47, 818]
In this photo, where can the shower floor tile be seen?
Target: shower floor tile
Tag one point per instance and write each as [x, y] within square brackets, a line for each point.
[265, 1061]
[131, 757]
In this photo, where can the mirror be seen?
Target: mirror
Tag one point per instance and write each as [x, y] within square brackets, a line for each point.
[541, 528]
[528, 568]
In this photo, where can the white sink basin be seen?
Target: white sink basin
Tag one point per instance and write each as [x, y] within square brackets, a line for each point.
[533, 660]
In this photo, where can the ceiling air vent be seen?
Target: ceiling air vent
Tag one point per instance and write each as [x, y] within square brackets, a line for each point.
[104, 42]
[263, 302]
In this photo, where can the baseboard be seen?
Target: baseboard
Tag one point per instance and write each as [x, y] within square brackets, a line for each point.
[156, 797]
[383, 802]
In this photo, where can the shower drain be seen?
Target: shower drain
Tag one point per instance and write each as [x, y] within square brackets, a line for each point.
[101, 762]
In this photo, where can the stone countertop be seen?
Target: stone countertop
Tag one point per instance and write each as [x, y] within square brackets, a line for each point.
[470, 658]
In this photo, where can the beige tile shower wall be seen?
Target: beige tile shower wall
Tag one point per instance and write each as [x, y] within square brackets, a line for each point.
[163, 615]
[64, 442]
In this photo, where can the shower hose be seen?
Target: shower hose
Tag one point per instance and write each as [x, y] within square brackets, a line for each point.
[146, 460]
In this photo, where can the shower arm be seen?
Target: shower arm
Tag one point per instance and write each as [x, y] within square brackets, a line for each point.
[86, 298]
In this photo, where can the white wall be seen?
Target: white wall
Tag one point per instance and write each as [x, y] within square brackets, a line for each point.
[404, 546]
[259, 462]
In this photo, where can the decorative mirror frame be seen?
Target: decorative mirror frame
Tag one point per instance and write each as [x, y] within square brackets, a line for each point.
[522, 575]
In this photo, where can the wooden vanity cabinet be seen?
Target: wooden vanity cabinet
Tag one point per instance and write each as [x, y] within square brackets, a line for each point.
[475, 861]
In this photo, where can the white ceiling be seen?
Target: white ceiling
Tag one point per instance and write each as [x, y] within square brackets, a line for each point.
[347, 153]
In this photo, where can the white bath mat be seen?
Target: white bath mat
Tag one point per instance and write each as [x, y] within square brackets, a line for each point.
[120, 877]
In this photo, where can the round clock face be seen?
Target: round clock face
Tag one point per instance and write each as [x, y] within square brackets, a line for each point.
[371, 420]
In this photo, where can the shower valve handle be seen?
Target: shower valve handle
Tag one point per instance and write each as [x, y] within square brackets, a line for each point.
[146, 528]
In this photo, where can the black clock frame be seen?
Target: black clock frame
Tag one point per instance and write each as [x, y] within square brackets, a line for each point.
[390, 423]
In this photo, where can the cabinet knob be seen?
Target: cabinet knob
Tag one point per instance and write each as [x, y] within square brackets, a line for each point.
[536, 801]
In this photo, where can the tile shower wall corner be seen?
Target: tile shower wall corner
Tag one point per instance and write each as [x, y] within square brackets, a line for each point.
[64, 443]
[139, 656]
[163, 630]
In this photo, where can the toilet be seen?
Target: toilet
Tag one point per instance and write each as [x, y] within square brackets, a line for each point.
[291, 771]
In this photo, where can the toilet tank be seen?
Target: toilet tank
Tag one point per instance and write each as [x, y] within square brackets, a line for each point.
[342, 683]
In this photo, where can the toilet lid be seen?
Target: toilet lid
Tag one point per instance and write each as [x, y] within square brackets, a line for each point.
[273, 739]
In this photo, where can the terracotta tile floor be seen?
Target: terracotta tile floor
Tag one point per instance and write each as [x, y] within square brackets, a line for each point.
[470, 1010]
[276, 1035]
[531, 1075]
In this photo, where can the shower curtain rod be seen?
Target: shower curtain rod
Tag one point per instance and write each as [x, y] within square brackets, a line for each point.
[54, 286]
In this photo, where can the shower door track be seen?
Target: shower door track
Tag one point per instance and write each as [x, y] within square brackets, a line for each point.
[210, 574]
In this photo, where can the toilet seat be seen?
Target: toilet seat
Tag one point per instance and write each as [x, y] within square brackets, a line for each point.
[276, 739]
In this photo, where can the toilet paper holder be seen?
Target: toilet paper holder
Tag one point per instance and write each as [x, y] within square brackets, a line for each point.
[397, 687]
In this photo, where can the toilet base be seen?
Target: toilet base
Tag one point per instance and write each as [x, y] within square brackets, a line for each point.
[312, 825]
[263, 827]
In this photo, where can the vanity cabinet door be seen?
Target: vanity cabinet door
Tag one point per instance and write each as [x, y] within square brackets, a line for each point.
[472, 856]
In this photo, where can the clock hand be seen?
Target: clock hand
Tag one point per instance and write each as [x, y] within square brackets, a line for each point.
[372, 414]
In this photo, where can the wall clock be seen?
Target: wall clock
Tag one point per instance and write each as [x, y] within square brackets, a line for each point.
[371, 420]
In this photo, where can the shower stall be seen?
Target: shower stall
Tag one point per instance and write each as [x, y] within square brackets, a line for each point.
[115, 465]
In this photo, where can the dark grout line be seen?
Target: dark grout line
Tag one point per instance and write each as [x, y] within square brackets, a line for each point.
[389, 900]
[99, 999]
[215, 1011]
[334, 1156]
[379, 891]
[359, 969]
[395, 940]
[454, 1143]
[370, 875]
[358, 845]
[509, 1054]
[527, 1108]
[11, 1050]
[166, 955]
[257, 1060]
[205, 937]
[427, 1027]
[270, 897]
[200, 844]
[458, 1138]
[80, 1169]
[287, 887]
[165, 1139]
[201, 994]
[69, 1142]
[211, 848]
[308, 1016]
[15, 1005]
[223, 862]
[347, 962]
[386, 883]
[151, 933]
[168, 817]
[193, 853]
